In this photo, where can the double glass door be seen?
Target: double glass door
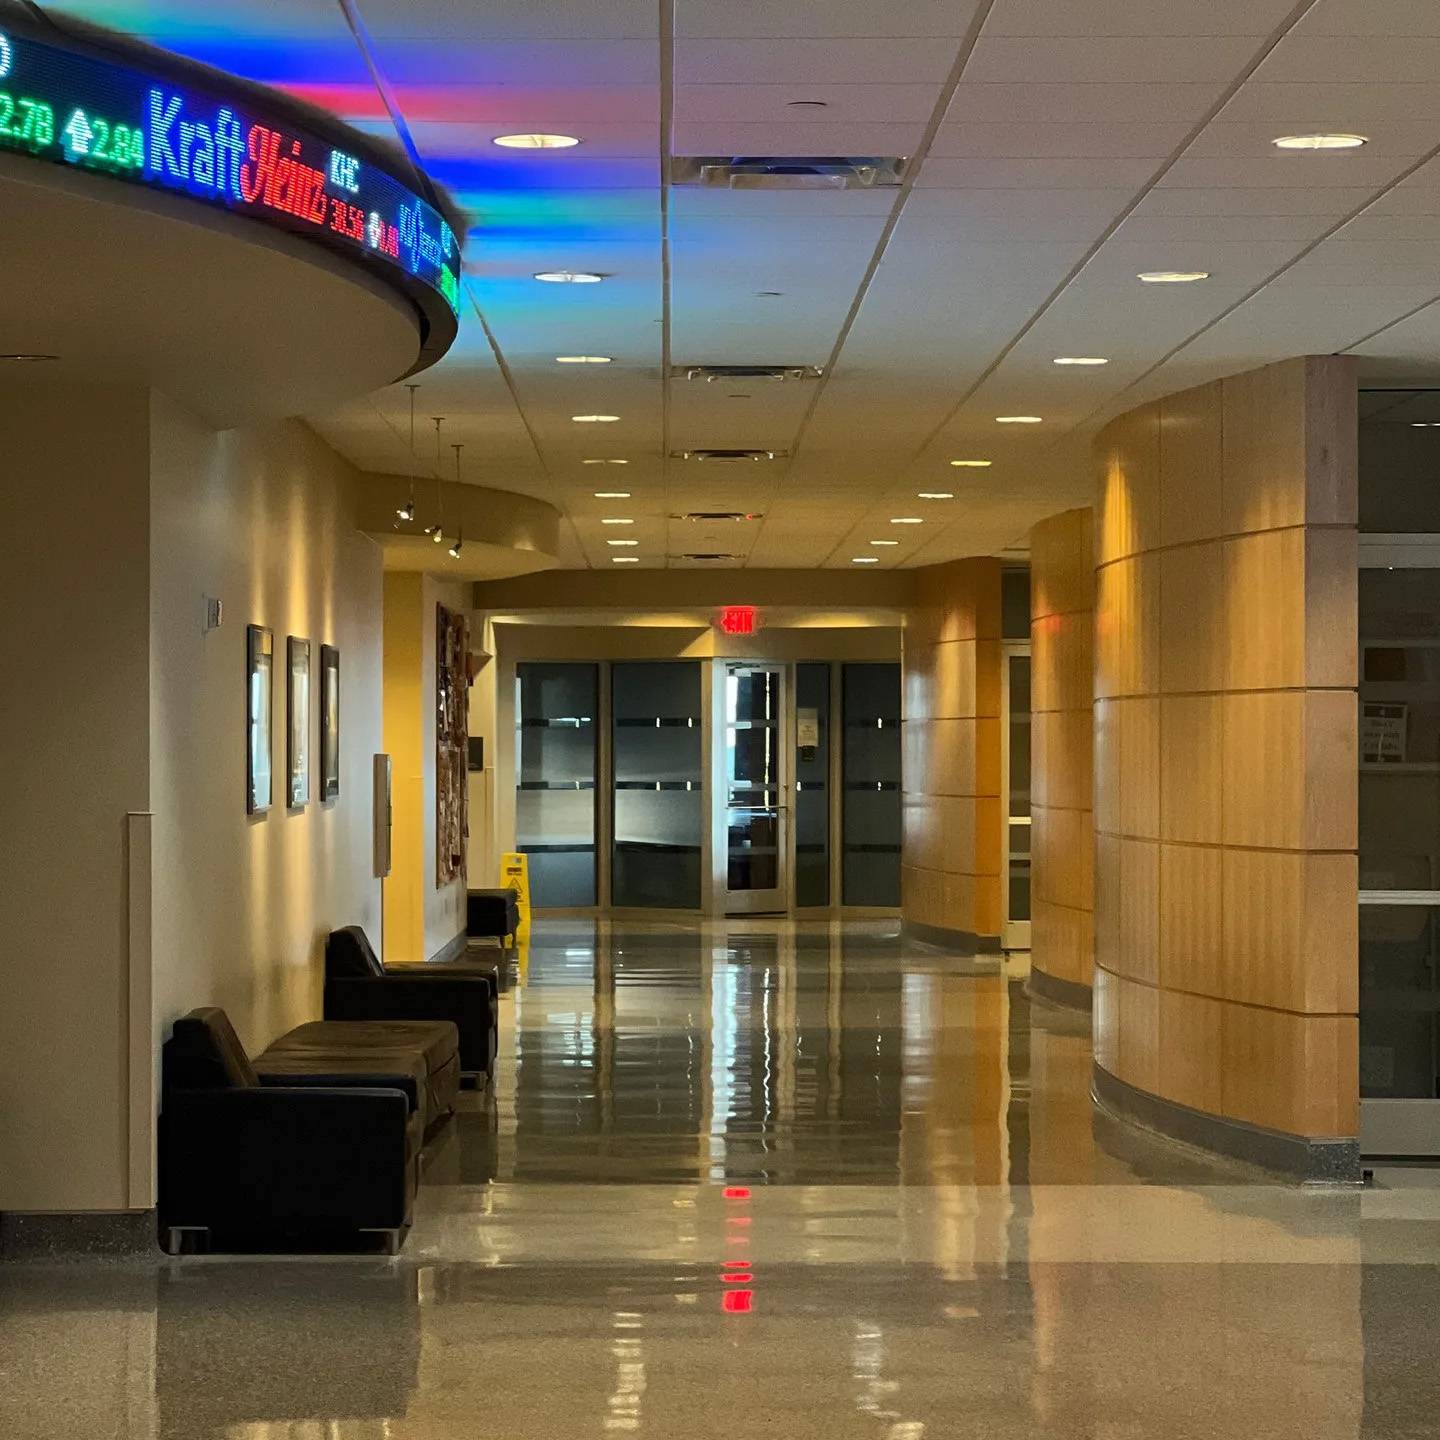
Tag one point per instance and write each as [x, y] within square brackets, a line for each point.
[754, 788]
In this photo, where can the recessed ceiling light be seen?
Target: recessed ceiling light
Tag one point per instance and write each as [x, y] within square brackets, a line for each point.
[1172, 277]
[604, 462]
[1017, 419]
[612, 494]
[971, 464]
[624, 559]
[884, 542]
[583, 359]
[536, 142]
[616, 520]
[1080, 360]
[569, 277]
[594, 419]
[1319, 142]
[936, 494]
[864, 559]
[906, 520]
[28, 358]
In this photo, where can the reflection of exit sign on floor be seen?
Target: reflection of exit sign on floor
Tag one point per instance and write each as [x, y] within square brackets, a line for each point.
[737, 620]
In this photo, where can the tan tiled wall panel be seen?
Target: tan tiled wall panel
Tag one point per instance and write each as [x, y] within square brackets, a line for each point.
[950, 739]
[1225, 749]
[1062, 739]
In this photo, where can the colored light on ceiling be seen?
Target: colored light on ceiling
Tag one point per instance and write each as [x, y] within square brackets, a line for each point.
[594, 419]
[227, 151]
[1172, 277]
[1080, 360]
[972, 464]
[583, 359]
[569, 277]
[736, 620]
[1320, 142]
[1018, 419]
[536, 142]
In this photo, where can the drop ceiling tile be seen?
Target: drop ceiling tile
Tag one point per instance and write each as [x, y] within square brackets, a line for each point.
[1373, 17]
[985, 174]
[1326, 105]
[812, 61]
[503, 20]
[1253, 200]
[1378, 59]
[1103, 59]
[1224, 138]
[844, 103]
[1274, 172]
[764, 19]
[1029, 101]
[972, 139]
[1126, 18]
[739, 137]
[463, 61]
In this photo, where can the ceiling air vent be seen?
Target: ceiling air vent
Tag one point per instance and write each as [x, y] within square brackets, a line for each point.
[708, 555]
[711, 516]
[745, 372]
[788, 172]
[728, 457]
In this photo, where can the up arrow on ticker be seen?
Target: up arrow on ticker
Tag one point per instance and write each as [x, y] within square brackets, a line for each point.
[78, 134]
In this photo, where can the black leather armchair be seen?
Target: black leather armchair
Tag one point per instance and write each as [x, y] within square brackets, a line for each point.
[359, 987]
[238, 1158]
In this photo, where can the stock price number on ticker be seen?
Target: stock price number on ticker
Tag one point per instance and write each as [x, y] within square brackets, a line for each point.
[94, 140]
[26, 122]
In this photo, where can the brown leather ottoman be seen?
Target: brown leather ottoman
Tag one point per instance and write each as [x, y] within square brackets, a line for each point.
[421, 1057]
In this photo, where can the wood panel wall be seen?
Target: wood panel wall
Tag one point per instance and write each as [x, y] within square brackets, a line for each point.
[1225, 749]
[950, 729]
[1062, 836]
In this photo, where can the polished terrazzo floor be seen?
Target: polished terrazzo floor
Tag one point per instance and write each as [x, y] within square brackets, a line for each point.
[763, 1179]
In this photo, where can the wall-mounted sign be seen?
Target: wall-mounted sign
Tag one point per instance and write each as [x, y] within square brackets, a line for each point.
[229, 152]
[737, 620]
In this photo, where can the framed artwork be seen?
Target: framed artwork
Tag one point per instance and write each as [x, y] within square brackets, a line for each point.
[297, 711]
[452, 736]
[329, 722]
[259, 688]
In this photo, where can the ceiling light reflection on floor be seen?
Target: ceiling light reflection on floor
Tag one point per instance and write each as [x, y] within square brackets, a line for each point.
[536, 142]
[569, 277]
[935, 495]
[1080, 360]
[971, 464]
[1172, 277]
[1018, 419]
[864, 559]
[584, 359]
[612, 494]
[594, 419]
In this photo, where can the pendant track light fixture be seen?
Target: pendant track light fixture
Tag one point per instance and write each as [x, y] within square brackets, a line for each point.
[406, 512]
[437, 531]
[460, 524]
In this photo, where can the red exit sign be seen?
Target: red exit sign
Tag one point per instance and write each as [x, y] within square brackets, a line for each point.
[737, 620]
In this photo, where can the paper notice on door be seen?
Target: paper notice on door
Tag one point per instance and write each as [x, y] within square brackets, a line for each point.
[807, 728]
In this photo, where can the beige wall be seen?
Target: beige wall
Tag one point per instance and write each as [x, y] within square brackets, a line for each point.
[1225, 745]
[74, 722]
[1062, 840]
[263, 519]
[950, 872]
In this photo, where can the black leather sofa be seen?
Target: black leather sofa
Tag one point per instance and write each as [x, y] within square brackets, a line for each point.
[464, 992]
[492, 913]
[285, 1156]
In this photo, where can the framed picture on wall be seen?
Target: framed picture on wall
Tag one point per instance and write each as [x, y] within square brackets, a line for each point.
[329, 722]
[297, 710]
[259, 688]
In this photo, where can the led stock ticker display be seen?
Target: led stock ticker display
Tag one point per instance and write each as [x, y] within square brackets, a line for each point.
[89, 113]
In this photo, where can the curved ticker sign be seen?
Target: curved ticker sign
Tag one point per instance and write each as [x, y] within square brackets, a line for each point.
[86, 112]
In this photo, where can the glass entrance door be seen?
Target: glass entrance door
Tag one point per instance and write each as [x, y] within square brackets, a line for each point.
[753, 789]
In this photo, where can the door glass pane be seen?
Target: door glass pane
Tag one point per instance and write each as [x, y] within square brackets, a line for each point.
[1018, 881]
[752, 776]
[555, 762]
[1399, 830]
[870, 770]
[659, 789]
[812, 794]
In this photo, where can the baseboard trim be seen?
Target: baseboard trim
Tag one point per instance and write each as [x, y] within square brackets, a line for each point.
[1333, 1161]
[1055, 991]
[77, 1235]
[964, 942]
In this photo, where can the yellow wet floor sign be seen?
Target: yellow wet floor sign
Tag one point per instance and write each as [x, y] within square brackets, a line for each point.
[515, 872]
